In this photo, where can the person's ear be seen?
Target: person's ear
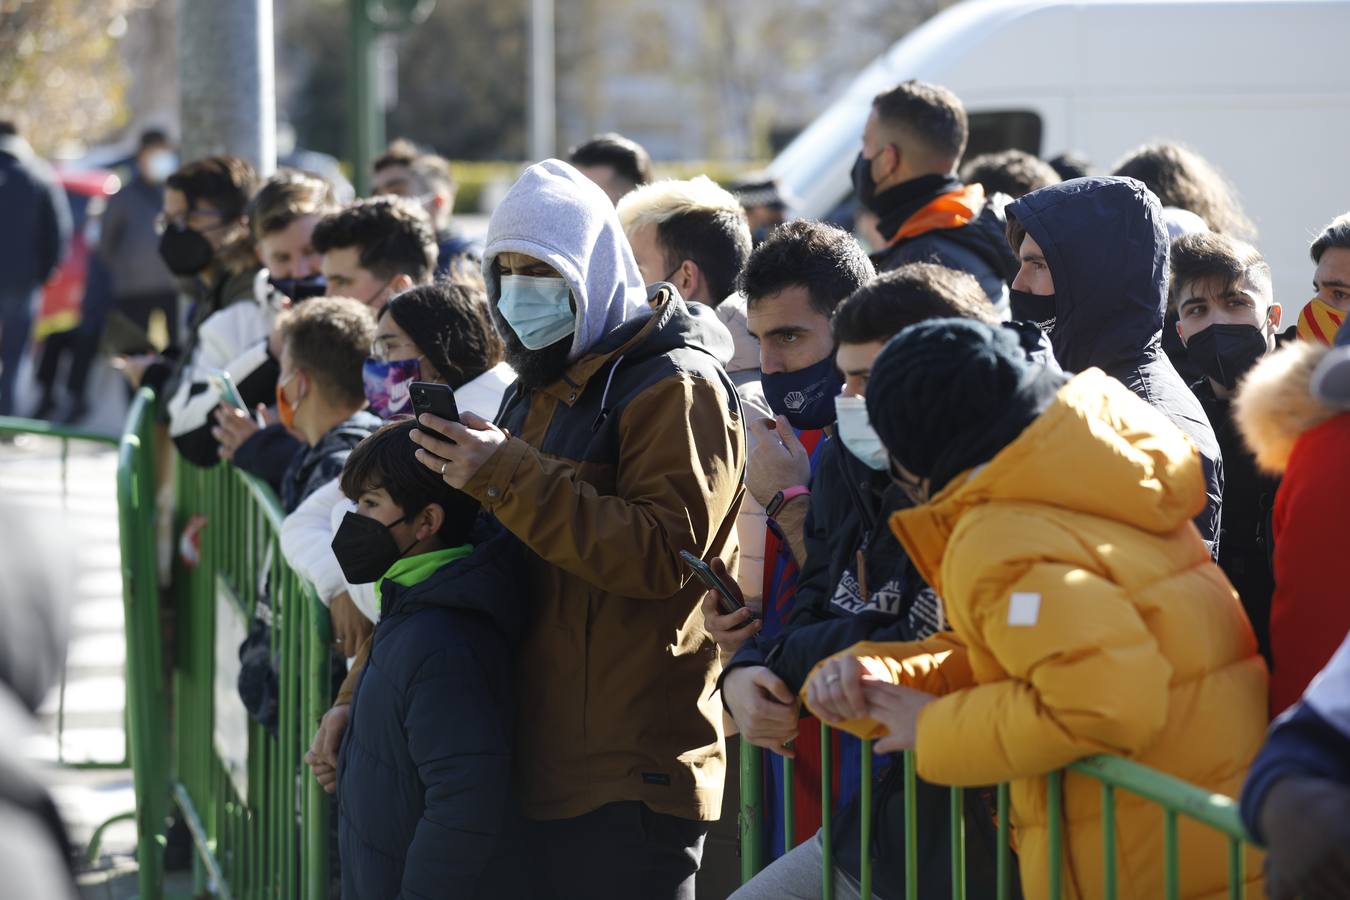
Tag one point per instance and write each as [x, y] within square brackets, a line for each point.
[429, 521]
[400, 283]
[689, 279]
[1179, 334]
[1276, 316]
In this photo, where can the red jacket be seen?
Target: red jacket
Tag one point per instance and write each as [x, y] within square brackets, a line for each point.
[1296, 435]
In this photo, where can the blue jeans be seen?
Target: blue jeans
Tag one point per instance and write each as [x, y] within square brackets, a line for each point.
[17, 312]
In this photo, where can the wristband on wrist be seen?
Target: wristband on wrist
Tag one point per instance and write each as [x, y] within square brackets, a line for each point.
[783, 496]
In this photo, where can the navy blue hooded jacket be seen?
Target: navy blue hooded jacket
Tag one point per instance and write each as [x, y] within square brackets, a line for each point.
[1309, 740]
[1106, 246]
[424, 776]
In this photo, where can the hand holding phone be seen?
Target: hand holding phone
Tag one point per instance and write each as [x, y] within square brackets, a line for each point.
[731, 595]
[437, 399]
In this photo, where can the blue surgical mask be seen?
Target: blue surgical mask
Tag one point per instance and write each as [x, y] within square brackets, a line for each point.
[386, 384]
[539, 310]
[855, 430]
[805, 397]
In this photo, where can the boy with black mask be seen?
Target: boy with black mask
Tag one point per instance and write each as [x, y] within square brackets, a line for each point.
[425, 767]
[1228, 321]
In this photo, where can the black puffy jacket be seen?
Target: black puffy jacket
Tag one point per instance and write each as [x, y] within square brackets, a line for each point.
[425, 799]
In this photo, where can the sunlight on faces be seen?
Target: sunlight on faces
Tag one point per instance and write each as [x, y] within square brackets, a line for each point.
[1207, 302]
[792, 334]
[608, 180]
[346, 277]
[520, 264]
[1033, 277]
[1332, 278]
[855, 362]
[288, 253]
[393, 344]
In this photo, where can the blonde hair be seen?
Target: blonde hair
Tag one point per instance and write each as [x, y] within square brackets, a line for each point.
[661, 201]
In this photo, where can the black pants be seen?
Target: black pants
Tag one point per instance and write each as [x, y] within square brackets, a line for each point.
[620, 851]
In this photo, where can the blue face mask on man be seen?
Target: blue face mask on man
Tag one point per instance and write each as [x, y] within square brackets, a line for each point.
[539, 310]
[805, 397]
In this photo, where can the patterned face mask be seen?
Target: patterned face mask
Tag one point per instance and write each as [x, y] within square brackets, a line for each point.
[386, 384]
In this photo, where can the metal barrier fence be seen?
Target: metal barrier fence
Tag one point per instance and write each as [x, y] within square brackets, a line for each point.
[1174, 797]
[67, 435]
[259, 821]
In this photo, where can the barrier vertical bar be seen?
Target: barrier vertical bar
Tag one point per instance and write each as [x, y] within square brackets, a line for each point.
[1109, 840]
[1004, 858]
[752, 810]
[958, 837]
[865, 810]
[1054, 816]
[789, 805]
[1172, 889]
[826, 812]
[911, 829]
[1236, 877]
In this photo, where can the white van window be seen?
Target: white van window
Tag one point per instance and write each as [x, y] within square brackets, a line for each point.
[993, 131]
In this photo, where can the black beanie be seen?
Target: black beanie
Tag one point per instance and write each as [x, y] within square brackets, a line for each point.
[948, 394]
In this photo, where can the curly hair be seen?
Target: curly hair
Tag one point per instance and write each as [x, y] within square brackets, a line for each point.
[826, 261]
[1182, 178]
[393, 234]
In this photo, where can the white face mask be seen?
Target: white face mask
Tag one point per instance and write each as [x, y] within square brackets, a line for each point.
[855, 430]
[160, 165]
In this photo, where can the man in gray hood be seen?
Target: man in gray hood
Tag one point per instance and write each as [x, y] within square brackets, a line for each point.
[619, 446]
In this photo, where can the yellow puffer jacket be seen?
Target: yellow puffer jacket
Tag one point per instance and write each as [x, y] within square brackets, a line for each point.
[1087, 618]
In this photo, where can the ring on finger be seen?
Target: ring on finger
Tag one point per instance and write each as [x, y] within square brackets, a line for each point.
[832, 678]
[443, 466]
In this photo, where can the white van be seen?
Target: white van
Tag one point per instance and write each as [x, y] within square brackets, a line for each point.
[1259, 87]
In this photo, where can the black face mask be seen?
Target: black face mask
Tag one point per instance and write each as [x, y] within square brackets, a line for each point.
[365, 548]
[863, 184]
[1227, 352]
[805, 397]
[301, 288]
[185, 251]
[1036, 308]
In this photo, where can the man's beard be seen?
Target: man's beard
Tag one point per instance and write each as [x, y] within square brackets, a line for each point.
[534, 368]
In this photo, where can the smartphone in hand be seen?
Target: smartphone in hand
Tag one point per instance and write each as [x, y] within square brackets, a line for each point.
[437, 399]
[731, 597]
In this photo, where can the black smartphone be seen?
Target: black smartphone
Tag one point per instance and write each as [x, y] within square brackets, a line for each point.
[437, 399]
[730, 596]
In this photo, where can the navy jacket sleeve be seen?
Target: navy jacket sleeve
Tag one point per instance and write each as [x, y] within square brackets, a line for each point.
[1302, 744]
[458, 723]
[799, 650]
[55, 229]
[267, 453]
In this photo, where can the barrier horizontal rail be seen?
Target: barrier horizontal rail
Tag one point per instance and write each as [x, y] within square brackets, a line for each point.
[1174, 797]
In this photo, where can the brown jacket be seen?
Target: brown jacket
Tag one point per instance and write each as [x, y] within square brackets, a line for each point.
[635, 454]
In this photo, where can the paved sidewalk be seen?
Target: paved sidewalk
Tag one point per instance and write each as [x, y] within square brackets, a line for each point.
[86, 516]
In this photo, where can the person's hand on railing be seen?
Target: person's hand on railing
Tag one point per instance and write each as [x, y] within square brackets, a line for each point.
[1306, 822]
[322, 757]
[897, 707]
[234, 426]
[350, 626]
[729, 630]
[765, 710]
[835, 692]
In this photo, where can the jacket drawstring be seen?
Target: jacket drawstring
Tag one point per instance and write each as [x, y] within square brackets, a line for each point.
[604, 397]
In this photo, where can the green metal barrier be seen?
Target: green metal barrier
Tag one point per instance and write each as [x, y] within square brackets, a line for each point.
[147, 707]
[1174, 797]
[259, 819]
[66, 434]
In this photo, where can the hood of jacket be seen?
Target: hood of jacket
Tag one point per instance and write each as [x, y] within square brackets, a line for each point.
[1275, 403]
[1105, 242]
[486, 581]
[555, 214]
[734, 313]
[1134, 467]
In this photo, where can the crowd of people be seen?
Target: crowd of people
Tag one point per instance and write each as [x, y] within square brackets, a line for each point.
[1023, 471]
